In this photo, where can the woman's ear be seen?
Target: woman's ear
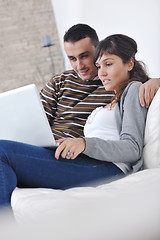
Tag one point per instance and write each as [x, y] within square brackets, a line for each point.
[131, 64]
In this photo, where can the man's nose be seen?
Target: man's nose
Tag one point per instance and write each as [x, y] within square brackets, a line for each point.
[80, 64]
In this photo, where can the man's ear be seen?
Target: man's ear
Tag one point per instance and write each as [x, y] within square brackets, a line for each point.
[131, 64]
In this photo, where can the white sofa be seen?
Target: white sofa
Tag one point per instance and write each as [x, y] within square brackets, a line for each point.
[125, 209]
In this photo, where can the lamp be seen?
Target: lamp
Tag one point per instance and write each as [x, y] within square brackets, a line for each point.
[47, 43]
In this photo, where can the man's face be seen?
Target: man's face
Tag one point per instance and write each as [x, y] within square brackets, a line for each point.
[80, 55]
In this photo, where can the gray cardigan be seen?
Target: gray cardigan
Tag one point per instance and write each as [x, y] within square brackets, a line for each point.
[130, 117]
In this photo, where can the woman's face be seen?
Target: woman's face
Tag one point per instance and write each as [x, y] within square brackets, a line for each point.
[112, 71]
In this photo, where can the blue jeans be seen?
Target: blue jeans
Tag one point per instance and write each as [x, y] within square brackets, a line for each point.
[31, 166]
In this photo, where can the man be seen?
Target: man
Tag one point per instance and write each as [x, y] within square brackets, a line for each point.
[70, 97]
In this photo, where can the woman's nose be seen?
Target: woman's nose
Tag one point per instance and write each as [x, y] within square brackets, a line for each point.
[102, 72]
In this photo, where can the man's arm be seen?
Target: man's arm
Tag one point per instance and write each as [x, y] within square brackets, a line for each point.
[148, 91]
[48, 97]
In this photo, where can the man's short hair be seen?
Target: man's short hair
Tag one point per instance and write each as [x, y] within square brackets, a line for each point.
[80, 31]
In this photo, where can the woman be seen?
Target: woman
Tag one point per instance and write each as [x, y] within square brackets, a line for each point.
[114, 134]
[113, 142]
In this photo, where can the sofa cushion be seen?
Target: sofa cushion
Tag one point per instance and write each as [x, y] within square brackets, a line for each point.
[123, 209]
[151, 151]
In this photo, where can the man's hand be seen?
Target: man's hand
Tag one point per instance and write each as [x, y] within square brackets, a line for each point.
[148, 90]
[73, 145]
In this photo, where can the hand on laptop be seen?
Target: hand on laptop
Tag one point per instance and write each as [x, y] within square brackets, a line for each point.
[70, 148]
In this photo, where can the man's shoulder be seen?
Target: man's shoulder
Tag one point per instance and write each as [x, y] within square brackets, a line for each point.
[65, 75]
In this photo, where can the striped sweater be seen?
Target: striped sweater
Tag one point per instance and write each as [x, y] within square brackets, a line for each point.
[68, 100]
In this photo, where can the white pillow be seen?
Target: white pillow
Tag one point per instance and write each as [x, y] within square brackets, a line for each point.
[151, 151]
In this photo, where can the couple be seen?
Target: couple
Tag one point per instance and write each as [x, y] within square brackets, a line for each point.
[112, 143]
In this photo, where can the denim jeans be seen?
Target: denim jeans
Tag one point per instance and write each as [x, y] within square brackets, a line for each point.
[31, 166]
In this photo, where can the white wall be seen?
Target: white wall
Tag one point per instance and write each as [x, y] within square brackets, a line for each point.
[138, 19]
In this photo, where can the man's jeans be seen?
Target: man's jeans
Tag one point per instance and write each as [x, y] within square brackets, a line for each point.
[30, 166]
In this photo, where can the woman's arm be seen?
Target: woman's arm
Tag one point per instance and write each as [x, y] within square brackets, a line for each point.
[132, 121]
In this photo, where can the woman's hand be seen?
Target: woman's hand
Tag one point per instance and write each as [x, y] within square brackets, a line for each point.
[148, 91]
[71, 145]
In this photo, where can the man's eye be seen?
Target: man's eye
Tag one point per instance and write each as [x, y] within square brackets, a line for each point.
[109, 64]
[84, 56]
[72, 59]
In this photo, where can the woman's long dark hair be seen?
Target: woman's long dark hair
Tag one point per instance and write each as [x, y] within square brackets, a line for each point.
[125, 48]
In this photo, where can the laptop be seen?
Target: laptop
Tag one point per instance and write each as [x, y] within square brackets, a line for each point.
[23, 119]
